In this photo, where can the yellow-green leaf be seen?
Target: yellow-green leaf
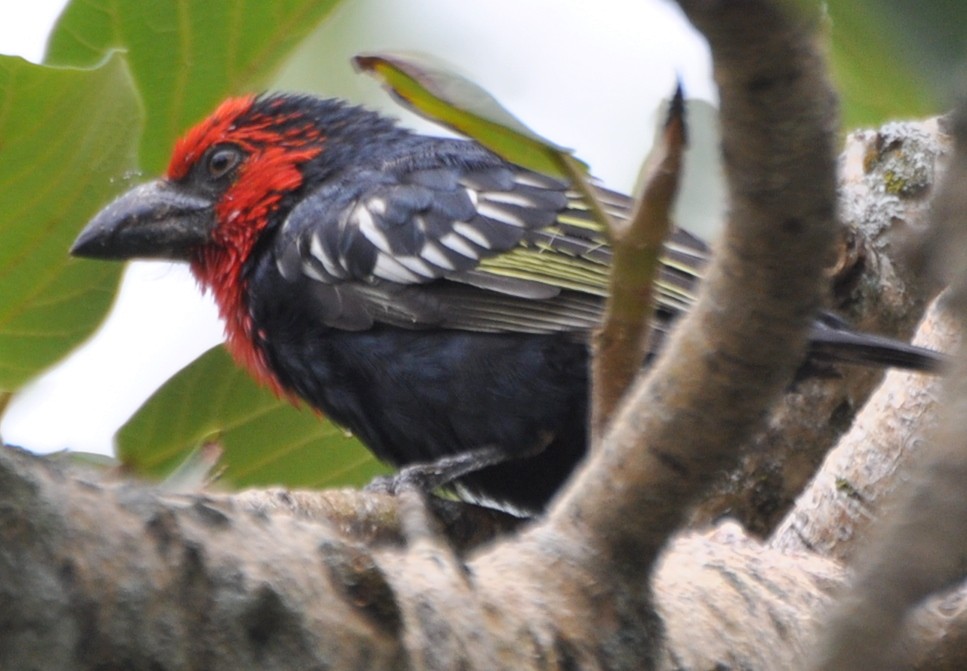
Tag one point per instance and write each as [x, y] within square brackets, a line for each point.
[445, 97]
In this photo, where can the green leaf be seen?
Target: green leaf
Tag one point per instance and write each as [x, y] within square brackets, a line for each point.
[265, 442]
[892, 60]
[185, 56]
[442, 96]
[66, 139]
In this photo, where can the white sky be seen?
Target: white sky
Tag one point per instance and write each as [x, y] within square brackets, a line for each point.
[160, 323]
[24, 26]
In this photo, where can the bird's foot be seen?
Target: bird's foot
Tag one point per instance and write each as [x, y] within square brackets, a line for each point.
[426, 477]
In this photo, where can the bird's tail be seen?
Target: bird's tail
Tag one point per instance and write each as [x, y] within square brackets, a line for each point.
[832, 341]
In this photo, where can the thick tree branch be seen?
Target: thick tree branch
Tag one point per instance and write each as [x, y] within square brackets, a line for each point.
[871, 462]
[886, 178]
[919, 548]
[735, 352]
[96, 576]
[102, 576]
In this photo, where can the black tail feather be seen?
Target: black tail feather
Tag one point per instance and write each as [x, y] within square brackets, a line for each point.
[832, 341]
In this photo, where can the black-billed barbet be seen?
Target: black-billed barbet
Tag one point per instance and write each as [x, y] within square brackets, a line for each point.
[422, 292]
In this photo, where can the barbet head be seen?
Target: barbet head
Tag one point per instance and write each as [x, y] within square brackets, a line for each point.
[226, 178]
[230, 179]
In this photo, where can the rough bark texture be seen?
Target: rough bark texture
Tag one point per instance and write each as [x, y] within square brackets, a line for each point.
[125, 576]
[96, 576]
[100, 575]
[919, 547]
[870, 462]
[886, 180]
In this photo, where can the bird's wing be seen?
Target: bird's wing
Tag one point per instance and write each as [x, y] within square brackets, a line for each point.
[474, 246]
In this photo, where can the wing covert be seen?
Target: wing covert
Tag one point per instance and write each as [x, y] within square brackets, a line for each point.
[416, 227]
[477, 245]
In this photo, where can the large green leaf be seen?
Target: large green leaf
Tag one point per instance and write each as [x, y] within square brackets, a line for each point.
[893, 59]
[266, 442]
[185, 56]
[67, 139]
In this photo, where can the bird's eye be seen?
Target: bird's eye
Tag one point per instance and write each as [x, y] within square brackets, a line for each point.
[222, 161]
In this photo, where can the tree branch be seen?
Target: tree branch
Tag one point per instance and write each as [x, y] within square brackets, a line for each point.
[96, 576]
[620, 347]
[872, 460]
[886, 178]
[919, 548]
[732, 355]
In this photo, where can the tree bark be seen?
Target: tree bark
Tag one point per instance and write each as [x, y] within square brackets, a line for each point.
[886, 181]
[918, 549]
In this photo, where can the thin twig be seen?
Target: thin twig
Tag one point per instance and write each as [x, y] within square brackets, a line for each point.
[620, 347]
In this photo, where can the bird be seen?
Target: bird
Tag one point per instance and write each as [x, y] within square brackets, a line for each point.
[429, 296]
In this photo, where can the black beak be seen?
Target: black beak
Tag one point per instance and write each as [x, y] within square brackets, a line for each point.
[157, 220]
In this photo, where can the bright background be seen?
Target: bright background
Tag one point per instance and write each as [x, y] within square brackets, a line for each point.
[602, 99]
